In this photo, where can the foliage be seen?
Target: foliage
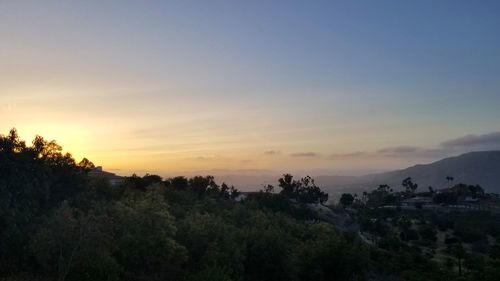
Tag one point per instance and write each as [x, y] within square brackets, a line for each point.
[59, 223]
[409, 185]
[346, 199]
[304, 190]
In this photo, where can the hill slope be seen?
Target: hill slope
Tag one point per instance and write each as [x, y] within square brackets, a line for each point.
[481, 168]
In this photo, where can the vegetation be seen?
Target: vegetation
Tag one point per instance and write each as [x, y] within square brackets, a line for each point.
[59, 223]
[458, 242]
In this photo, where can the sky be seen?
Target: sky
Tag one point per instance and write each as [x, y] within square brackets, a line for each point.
[320, 87]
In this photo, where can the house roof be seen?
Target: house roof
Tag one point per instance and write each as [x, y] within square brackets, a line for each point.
[418, 199]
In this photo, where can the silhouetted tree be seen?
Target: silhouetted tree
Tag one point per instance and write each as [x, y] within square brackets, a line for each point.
[303, 190]
[179, 183]
[449, 180]
[86, 164]
[346, 199]
[409, 185]
[458, 252]
[201, 185]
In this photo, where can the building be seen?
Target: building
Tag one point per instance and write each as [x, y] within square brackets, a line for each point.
[113, 179]
[244, 195]
[417, 201]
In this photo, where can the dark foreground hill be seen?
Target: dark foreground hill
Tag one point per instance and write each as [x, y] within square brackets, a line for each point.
[482, 168]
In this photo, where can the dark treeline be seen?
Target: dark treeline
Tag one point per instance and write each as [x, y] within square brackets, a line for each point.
[57, 223]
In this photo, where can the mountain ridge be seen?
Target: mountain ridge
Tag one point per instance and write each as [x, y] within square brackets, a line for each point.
[477, 167]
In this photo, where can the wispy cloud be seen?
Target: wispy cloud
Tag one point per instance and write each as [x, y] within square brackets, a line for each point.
[490, 140]
[349, 154]
[399, 150]
[271, 152]
[208, 158]
[305, 154]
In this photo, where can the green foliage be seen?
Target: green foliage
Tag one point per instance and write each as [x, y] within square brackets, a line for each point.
[428, 232]
[495, 252]
[211, 242]
[145, 181]
[346, 199]
[209, 274]
[57, 223]
[33, 180]
[492, 270]
[409, 185]
[328, 257]
[178, 183]
[303, 190]
[144, 234]
[72, 245]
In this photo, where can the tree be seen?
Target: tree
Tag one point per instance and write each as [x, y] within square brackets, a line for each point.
[384, 188]
[145, 181]
[210, 273]
[346, 199]
[304, 190]
[405, 225]
[445, 198]
[476, 191]
[147, 249]
[211, 242]
[75, 245]
[328, 257]
[409, 185]
[428, 233]
[492, 270]
[33, 180]
[268, 252]
[179, 183]
[449, 180]
[494, 252]
[268, 189]
[201, 185]
[234, 192]
[458, 251]
[86, 164]
[289, 187]
[11, 143]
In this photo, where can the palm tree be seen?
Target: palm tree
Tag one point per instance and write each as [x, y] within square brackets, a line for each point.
[459, 252]
[449, 180]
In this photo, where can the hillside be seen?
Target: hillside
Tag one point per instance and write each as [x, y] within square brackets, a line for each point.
[481, 168]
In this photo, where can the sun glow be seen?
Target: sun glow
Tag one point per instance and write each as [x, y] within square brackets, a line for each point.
[71, 137]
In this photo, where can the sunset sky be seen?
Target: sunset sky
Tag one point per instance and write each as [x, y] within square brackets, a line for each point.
[324, 87]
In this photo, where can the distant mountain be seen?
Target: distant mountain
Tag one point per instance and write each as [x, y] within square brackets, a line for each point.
[481, 168]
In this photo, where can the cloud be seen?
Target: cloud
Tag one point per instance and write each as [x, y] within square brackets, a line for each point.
[468, 143]
[304, 154]
[399, 150]
[208, 158]
[415, 152]
[349, 154]
[487, 141]
[271, 152]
